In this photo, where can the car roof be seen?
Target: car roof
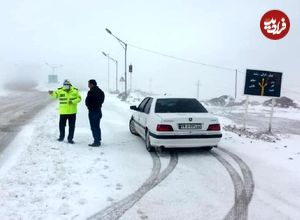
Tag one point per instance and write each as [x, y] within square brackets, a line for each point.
[170, 97]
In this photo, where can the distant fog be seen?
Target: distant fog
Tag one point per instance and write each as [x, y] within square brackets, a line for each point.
[20, 76]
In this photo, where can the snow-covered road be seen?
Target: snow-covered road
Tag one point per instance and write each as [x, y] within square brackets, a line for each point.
[16, 109]
[43, 179]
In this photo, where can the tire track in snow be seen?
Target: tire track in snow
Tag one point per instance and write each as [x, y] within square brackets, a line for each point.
[116, 210]
[238, 211]
[243, 187]
[246, 172]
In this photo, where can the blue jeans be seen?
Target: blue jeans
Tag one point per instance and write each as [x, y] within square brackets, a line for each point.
[95, 117]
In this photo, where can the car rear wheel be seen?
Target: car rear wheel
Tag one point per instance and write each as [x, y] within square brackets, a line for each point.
[132, 127]
[207, 148]
[149, 147]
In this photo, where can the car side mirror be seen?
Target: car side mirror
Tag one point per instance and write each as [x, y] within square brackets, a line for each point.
[133, 107]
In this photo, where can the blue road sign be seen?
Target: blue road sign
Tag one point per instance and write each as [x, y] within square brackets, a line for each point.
[52, 79]
[263, 83]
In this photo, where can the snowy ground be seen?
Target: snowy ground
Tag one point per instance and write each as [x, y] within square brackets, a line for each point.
[43, 179]
[285, 120]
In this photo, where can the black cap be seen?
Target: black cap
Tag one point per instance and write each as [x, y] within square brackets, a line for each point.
[93, 82]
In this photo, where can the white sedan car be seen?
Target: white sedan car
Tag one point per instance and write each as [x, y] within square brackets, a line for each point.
[175, 123]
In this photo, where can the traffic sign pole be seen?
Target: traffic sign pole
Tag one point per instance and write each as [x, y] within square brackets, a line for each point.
[271, 115]
[246, 112]
[130, 71]
[262, 83]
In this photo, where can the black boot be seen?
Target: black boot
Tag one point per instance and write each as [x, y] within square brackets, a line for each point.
[95, 144]
[60, 139]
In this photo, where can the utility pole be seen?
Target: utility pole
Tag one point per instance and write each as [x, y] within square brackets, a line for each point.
[198, 88]
[235, 89]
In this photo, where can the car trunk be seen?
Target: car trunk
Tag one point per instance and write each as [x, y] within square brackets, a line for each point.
[189, 122]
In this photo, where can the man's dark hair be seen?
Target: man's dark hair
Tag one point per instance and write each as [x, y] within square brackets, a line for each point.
[93, 82]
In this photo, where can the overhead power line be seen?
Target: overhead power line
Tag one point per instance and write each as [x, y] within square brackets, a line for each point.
[183, 59]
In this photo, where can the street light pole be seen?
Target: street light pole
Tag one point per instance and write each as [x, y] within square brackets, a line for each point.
[108, 57]
[116, 62]
[53, 68]
[124, 45]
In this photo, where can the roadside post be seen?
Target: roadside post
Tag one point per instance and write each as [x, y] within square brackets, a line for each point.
[262, 83]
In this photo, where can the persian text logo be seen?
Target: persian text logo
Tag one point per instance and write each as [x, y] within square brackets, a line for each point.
[275, 24]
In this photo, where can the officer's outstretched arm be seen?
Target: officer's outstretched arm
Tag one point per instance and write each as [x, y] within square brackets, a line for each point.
[54, 94]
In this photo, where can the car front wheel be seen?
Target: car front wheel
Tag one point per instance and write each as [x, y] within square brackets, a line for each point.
[132, 127]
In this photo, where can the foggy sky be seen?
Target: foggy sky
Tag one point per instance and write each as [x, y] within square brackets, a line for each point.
[72, 33]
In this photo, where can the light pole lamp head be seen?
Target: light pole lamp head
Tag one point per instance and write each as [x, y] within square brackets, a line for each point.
[108, 31]
[104, 53]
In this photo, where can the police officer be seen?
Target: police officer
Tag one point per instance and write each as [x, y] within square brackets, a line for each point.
[94, 101]
[68, 97]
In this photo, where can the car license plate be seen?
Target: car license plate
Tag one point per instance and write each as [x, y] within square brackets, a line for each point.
[190, 126]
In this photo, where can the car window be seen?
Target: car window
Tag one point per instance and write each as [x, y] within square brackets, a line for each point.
[148, 106]
[176, 105]
[143, 103]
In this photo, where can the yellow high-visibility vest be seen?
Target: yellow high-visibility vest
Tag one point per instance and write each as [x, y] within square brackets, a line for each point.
[68, 100]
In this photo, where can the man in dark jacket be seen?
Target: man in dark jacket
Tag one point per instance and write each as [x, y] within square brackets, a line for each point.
[94, 101]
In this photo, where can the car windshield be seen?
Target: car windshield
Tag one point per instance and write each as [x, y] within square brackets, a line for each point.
[179, 105]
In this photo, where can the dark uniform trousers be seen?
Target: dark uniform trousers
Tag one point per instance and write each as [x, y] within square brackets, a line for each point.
[95, 117]
[71, 118]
